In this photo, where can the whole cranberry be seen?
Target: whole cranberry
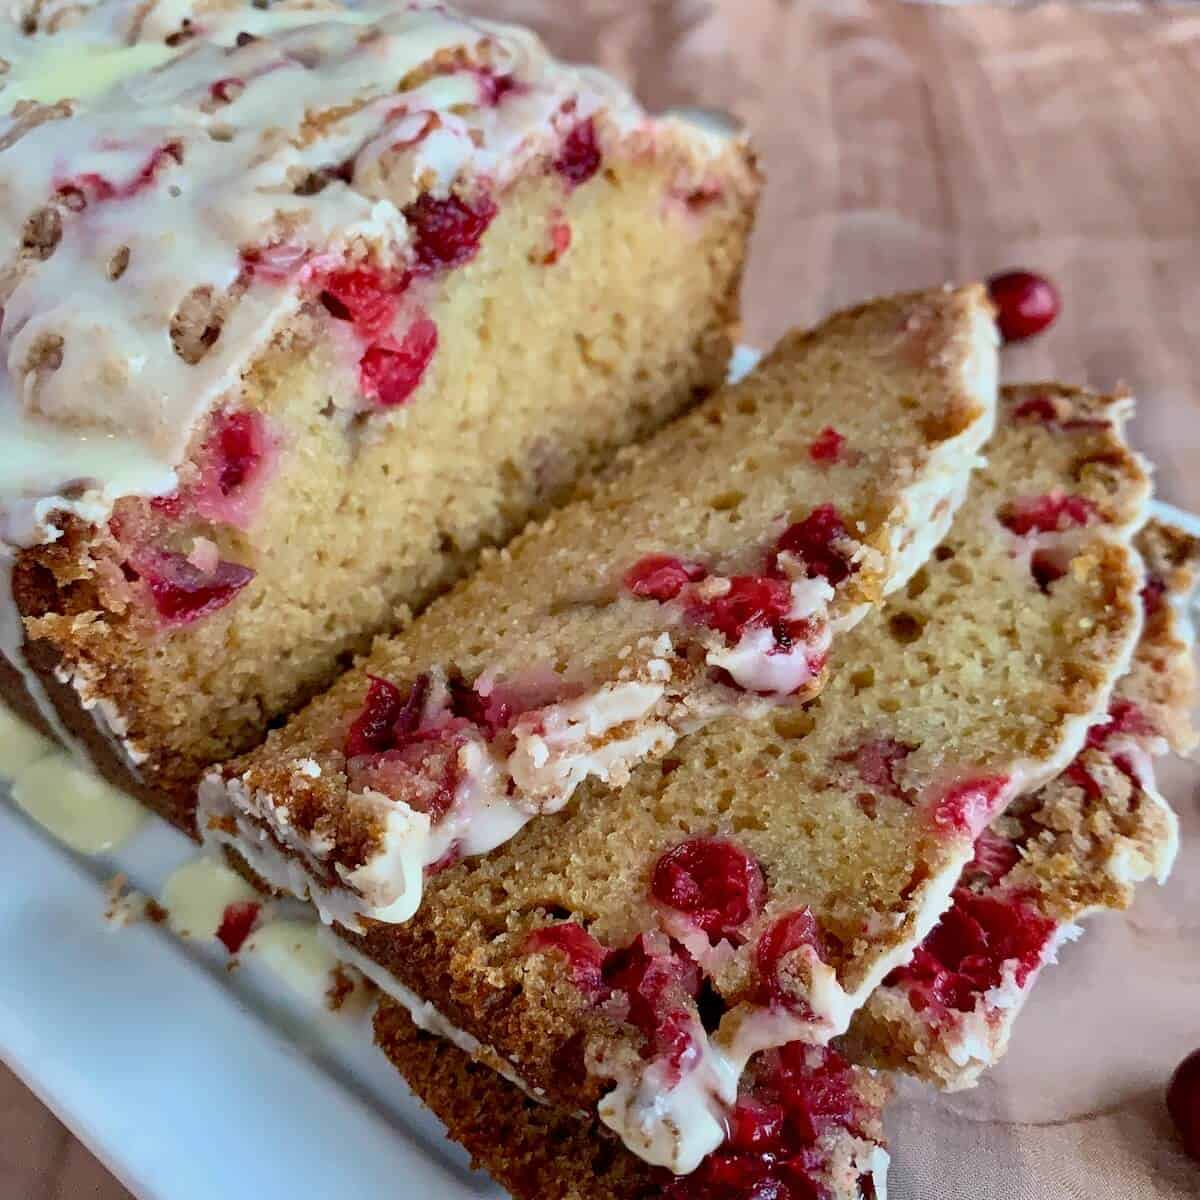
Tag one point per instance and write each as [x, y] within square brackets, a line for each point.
[1183, 1102]
[1025, 304]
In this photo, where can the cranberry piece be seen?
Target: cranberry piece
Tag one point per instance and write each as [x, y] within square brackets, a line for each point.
[713, 881]
[752, 602]
[789, 1100]
[968, 807]
[580, 157]
[236, 923]
[491, 713]
[585, 956]
[1050, 513]
[493, 88]
[422, 770]
[389, 374]
[446, 233]
[1123, 717]
[658, 985]
[966, 953]
[1183, 1102]
[182, 593]
[876, 761]
[812, 540]
[725, 1175]
[240, 452]
[372, 728]
[1153, 595]
[817, 1089]
[827, 446]
[662, 577]
[171, 507]
[92, 187]
[235, 461]
[1025, 304]
[786, 935]
[1078, 774]
[994, 857]
[364, 296]
[1036, 408]
[754, 1124]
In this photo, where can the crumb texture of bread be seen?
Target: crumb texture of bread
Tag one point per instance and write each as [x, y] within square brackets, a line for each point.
[638, 612]
[1076, 846]
[356, 408]
[847, 821]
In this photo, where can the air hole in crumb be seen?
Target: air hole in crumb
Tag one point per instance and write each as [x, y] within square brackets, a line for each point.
[726, 501]
[942, 553]
[862, 679]
[918, 583]
[710, 1006]
[556, 912]
[793, 723]
[747, 404]
[905, 627]
[119, 263]
[42, 233]
[196, 325]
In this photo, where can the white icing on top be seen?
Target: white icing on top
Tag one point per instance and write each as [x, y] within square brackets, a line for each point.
[230, 161]
[189, 157]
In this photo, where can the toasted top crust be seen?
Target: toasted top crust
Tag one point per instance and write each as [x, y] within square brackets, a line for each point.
[179, 172]
[982, 670]
[906, 383]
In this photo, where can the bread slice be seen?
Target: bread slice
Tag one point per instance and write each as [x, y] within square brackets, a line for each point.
[303, 306]
[706, 575]
[821, 1138]
[795, 860]
[1078, 845]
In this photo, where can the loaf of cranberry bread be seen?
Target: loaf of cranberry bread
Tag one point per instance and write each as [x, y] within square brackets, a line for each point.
[1077, 845]
[302, 306]
[705, 575]
[631, 954]
[806, 1127]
